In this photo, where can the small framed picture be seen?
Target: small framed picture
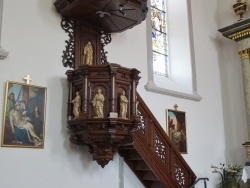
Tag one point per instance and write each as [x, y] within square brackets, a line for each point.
[24, 115]
[176, 128]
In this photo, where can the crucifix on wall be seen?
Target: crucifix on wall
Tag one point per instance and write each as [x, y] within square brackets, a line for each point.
[27, 79]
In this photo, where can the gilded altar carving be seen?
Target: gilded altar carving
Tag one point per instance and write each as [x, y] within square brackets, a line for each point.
[244, 54]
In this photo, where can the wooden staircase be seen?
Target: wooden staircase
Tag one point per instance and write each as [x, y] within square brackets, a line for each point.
[152, 156]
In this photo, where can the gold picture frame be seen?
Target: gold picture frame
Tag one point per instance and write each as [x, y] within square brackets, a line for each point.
[176, 129]
[24, 115]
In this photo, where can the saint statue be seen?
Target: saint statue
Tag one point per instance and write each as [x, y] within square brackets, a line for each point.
[76, 105]
[123, 106]
[88, 54]
[98, 104]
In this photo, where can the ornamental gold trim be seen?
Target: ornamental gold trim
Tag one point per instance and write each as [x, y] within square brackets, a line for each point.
[244, 54]
[240, 34]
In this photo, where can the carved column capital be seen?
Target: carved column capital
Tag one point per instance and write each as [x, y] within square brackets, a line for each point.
[244, 54]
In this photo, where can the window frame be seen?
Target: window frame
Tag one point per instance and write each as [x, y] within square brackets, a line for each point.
[172, 88]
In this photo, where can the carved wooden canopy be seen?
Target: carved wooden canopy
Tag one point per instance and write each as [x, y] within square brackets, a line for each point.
[111, 15]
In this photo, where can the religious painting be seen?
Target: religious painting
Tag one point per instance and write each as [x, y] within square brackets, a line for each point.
[24, 115]
[176, 127]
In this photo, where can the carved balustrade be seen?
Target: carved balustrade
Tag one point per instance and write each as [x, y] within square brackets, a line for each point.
[157, 150]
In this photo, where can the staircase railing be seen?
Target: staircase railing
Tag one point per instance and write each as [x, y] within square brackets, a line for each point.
[157, 150]
[200, 179]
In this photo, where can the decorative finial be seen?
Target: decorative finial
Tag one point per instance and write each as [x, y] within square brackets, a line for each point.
[240, 7]
[175, 107]
[27, 79]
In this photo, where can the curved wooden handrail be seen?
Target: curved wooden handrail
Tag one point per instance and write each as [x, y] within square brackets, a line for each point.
[157, 150]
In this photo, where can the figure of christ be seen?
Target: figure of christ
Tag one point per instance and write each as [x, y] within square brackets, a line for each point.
[17, 121]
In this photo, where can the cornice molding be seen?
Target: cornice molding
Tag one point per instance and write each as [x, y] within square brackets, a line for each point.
[237, 31]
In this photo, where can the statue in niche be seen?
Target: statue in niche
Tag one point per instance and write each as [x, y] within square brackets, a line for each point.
[88, 54]
[76, 105]
[98, 104]
[123, 105]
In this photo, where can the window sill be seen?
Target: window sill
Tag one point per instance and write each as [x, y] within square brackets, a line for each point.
[150, 86]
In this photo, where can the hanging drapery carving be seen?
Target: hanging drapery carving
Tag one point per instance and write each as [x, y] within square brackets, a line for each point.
[68, 57]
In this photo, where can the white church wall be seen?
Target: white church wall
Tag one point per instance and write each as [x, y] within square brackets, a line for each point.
[215, 126]
[232, 88]
[35, 40]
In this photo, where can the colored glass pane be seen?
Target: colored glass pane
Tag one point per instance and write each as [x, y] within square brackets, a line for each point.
[160, 64]
[159, 37]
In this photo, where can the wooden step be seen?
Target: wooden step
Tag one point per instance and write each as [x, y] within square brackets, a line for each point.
[141, 165]
[149, 175]
[156, 184]
[132, 155]
[124, 150]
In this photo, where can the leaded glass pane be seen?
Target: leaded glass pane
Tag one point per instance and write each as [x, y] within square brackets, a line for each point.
[159, 42]
[160, 64]
[159, 37]
[160, 4]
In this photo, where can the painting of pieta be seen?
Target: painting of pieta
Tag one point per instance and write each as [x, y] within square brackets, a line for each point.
[176, 126]
[24, 115]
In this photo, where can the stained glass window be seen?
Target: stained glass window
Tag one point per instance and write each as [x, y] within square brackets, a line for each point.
[159, 37]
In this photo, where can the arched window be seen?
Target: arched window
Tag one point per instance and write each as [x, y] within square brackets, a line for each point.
[171, 60]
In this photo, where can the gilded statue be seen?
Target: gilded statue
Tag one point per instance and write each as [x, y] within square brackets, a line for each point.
[88, 54]
[76, 105]
[123, 106]
[98, 104]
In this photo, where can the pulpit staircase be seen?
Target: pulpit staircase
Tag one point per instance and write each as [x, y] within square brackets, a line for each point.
[152, 156]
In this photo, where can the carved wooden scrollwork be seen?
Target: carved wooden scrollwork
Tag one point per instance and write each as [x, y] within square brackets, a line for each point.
[105, 39]
[141, 125]
[68, 57]
[180, 176]
[160, 148]
[102, 136]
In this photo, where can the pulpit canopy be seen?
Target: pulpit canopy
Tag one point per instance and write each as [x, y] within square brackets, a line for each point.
[111, 15]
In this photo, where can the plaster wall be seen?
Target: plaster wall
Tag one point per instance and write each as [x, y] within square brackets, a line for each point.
[33, 36]
[31, 33]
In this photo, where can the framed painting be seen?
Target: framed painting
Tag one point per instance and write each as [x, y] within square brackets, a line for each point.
[24, 115]
[176, 128]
